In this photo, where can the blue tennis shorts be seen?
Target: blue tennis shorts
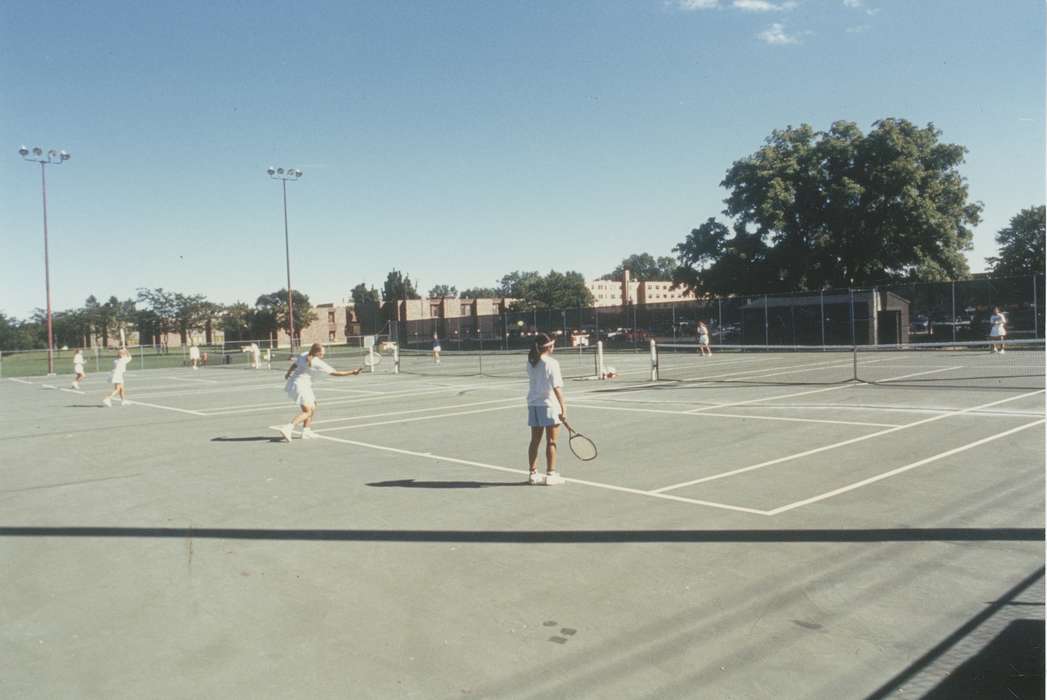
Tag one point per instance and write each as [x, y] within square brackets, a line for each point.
[542, 417]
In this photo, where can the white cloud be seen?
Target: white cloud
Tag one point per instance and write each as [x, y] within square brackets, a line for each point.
[858, 29]
[852, 3]
[777, 36]
[763, 5]
[699, 4]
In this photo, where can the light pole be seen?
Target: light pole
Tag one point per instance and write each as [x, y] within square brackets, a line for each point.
[52, 157]
[283, 175]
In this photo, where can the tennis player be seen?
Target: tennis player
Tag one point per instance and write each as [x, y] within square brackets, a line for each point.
[194, 355]
[299, 387]
[78, 368]
[436, 348]
[545, 408]
[998, 330]
[703, 339]
[116, 378]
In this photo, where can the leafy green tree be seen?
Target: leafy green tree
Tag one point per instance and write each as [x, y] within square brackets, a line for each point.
[1021, 245]
[644, 267]
[398, 286]
[271, 312]
[362, 296]
[839, 208]
[164, 306]
[17, 335]
[556, 290]
[479, 293]
[443, 291]
[236, 321]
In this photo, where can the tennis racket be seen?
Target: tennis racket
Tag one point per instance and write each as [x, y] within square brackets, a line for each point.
[123, 338]
[372, 359]
[582, 447]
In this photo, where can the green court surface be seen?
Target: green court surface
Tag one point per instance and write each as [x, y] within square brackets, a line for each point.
[767, 536]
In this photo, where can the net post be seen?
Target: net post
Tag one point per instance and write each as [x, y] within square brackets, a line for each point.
[654, 361]
[854, 362]
[1035, 310]
[396, 358]
[599, 359]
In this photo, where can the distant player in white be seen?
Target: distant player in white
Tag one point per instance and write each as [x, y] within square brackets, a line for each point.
[256, 355]
[116, 378]
[78, 368]
[436, 348]
[194, 355]
[703, 339]
[545, 408]
[998, 331]
[299, 387]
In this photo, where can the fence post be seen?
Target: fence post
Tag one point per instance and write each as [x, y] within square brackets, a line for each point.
[654, 362]
[1035, 310]
[821, 313]
[719, 318]
[674, 315]
[766, 323]
[851, 292]
[952, 319]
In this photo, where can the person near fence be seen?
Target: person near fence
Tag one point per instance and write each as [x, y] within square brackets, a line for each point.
[436, 348]
[194, 356]
[703, 339]
[78, 368]
[116, 378]
[546, 408]
[998, 329]
[299, 387]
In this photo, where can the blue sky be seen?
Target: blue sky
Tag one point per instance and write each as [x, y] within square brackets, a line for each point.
[459, 141]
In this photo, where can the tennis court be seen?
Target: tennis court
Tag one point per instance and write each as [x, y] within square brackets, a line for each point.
[757, 525]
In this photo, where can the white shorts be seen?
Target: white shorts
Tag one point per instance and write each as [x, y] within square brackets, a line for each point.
[115, 378]
[301, 395]
[703, 340]
[997, 333]
[78, 369]
[436, 348]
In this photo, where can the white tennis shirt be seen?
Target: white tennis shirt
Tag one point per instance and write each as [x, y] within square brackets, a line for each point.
[544, 377]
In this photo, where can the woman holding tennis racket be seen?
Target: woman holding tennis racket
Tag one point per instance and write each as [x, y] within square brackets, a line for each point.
[545, 408]
[78, 368]
[998, 329]
[116, 378]
[299, 387]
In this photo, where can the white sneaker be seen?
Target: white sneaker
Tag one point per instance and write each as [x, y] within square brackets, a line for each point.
[75, 385]
[536, 479]
[1003, 350]
[125, 402]
[553, 479]
[107, 402]
[308, 434]
[285, 430]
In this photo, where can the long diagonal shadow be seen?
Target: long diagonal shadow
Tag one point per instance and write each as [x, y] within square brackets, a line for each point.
[544, 536]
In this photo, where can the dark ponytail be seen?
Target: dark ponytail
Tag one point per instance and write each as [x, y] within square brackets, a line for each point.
[314, 350]
[537, 348]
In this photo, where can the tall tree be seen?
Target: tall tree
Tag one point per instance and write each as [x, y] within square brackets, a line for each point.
[644, 267]
[442, 291]
[1021, 244]
[271, 312]
[842, 208]
[362, 296]
[398, 286]
[479, 293]
[556, 290]
[236, 321]
[163, 304]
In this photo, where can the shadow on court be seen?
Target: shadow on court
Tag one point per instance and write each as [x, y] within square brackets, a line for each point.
[413, 484]
[259, 438]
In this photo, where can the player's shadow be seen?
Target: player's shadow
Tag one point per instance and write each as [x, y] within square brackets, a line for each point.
[413, 484]
[259, 438]
[86, 405]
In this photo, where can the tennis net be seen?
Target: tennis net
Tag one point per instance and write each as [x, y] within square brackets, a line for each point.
[1020, 365]
[575, 363]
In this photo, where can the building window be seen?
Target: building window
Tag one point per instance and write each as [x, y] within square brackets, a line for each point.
[330, 317]
[330, 336]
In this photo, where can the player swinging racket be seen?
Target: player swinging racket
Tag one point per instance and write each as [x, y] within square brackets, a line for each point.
[998, 330]
[703, 339]
[299, 387]
[78, 368]
[545, 408]
[116, 378]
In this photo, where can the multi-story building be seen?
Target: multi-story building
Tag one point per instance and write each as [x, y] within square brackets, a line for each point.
[627, 291]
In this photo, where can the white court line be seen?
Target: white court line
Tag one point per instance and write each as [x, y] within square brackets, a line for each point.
[482, 465]
[48, 386]
[134, 402]
[418, 410]
[350, 391]
[184, 379]
[899, 470]
[877, 408]
[843, 443]
[73, 391]
[414, 419]
[21, 381]
[590, 404]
